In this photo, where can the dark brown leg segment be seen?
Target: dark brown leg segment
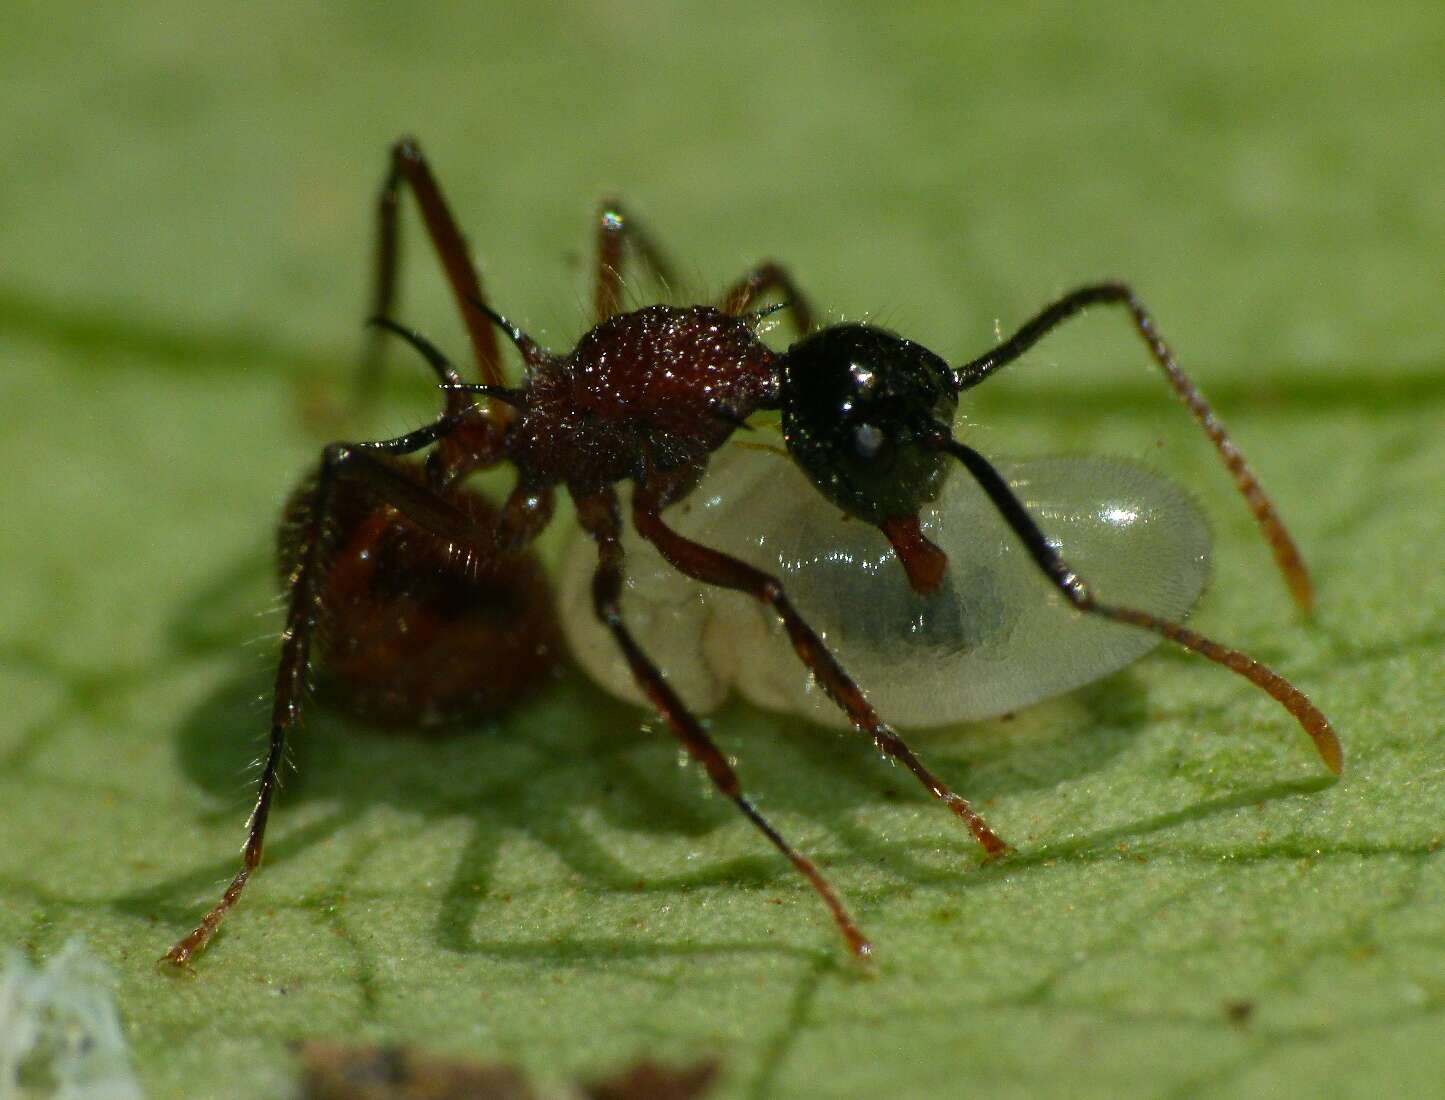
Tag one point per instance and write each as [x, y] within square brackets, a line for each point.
[339, 462]
[599, 517]
[1286, 553]
[1310, 718]
[409, 166]
[524, 515]
[769, 276]
[713, 567]
[616, 231]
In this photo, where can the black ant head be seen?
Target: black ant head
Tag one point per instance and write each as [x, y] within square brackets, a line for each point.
[862, 410]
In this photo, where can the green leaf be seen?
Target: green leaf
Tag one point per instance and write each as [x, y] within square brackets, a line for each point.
[1193, 910]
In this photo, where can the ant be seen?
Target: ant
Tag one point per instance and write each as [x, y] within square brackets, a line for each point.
[646, 397]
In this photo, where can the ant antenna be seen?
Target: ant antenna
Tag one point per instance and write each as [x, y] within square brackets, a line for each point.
[533, 354]
[1286, 554]
[1063, 577]
[512, 396]
[451, 381]
[447, 373]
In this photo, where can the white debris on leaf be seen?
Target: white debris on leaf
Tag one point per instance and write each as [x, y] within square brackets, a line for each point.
[60, 1035]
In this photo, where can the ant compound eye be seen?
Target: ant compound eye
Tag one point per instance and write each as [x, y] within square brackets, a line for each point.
[853, 398]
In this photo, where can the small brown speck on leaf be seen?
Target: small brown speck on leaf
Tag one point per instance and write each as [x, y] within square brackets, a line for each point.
[1238, 1012]
[337, 1071]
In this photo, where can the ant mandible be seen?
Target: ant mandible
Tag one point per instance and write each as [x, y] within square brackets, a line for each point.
[647, 396]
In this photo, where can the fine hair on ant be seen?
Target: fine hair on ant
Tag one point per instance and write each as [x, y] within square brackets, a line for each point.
[419, 602]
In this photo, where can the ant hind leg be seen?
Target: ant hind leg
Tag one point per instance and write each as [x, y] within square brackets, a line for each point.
[409, 166]
[341, 463]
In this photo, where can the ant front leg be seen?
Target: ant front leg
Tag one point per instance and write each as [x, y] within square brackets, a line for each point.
[716, 568]
[342, 465]
[616, 230]
[1077, 592]
[767, 276]
[1286, 553]
[409, 166]
[599, 518]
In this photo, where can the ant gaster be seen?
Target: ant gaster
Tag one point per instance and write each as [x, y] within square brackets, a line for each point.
[647, 396]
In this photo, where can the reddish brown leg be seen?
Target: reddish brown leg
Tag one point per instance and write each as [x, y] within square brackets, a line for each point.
[1286, 553]
[713, 567]
[340, 462]
[598, 516]
[526, 512]
[616, 230]
[768, 276]
[409, 166]
[1310, 718]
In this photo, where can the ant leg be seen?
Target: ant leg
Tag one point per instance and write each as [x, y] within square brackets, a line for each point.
[409, 166]
[714, 567]
[1077, 592]
[524, 514]
[770, 275]
[1286, 553]
[599, 517]
[615, 230]
[340, 462]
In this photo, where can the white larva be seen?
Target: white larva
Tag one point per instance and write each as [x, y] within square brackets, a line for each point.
[995, 637]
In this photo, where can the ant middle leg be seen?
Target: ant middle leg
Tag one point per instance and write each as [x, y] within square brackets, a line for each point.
[716, 568]
[1286, 554]
[598, 516]
[1078, 593]
[342, 465]
[409, 166]
[616, 231]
